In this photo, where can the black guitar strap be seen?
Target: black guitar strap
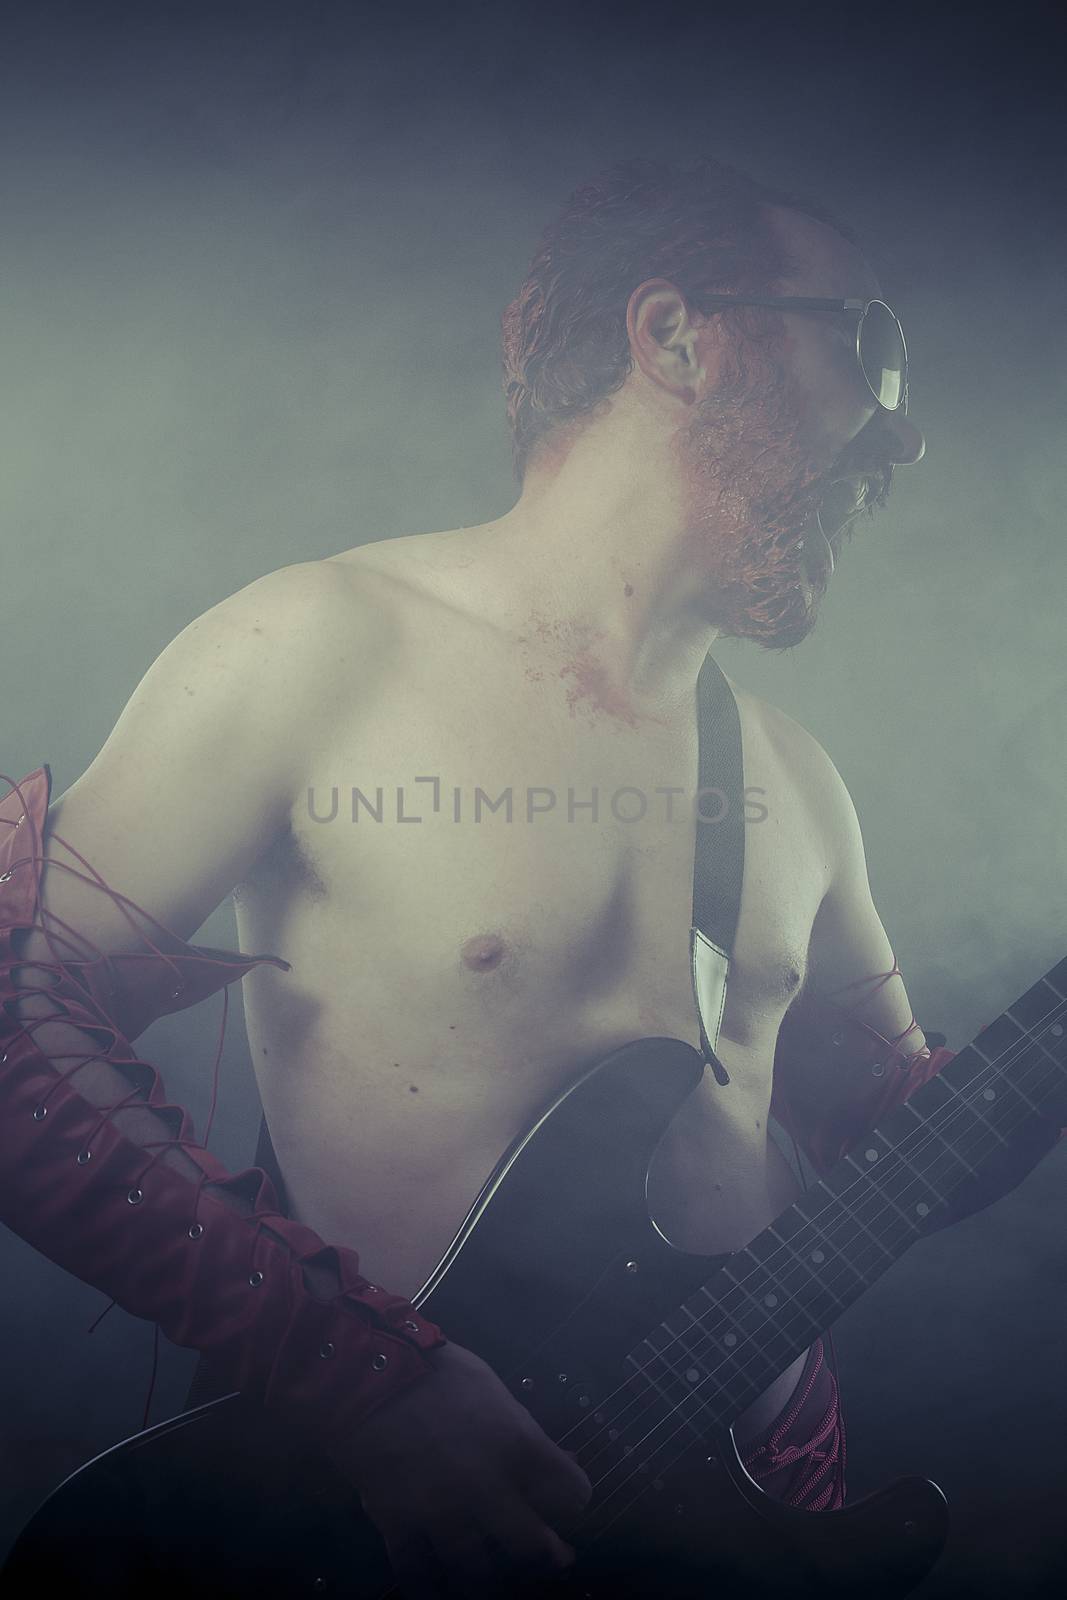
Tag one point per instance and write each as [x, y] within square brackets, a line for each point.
[718, 868]
[719, 859]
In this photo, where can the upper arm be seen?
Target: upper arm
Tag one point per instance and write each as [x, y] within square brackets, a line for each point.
[852, 1017]
[198, 775]
[850, 958]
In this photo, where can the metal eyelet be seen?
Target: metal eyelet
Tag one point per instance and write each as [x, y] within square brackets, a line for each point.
[83, 1156]
[878, 1070]
[255, 1279]
[196, 1230]
[6, 877]
[380, 1362]
[39, 1113]
[327, 1348]
[135, 1197]
[412, 1325]
[372, 1288]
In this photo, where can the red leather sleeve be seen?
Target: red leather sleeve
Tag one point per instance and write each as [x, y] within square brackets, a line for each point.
[163, 1246]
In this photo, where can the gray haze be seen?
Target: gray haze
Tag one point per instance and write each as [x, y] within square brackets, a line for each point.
[251, 272]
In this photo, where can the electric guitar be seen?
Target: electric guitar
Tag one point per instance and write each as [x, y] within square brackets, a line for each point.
[633, 1354]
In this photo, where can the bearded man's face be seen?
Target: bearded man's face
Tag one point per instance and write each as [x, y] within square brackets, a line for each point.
[752, 486]
[789, 427]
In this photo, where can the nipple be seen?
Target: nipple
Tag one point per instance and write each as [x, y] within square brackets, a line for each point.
[484, 952]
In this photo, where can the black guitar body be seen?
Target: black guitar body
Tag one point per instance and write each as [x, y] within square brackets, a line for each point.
[555, 1276]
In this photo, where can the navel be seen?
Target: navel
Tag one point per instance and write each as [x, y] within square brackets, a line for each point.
[484, 952]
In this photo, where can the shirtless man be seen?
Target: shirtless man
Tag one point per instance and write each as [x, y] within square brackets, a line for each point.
[448, 979]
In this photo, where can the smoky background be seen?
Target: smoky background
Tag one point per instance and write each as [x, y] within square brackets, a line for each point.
[252, 265]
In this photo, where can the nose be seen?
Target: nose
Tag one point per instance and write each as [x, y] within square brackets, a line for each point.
[907, 445]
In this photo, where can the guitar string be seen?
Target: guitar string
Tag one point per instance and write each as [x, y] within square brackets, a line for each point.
[692, 1407]
[733, 1300]
[739, 1286]
[699, 1328]
[701, 1407]
[927, 1134]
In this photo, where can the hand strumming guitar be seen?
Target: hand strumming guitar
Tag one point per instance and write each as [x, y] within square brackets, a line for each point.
[465, 1488]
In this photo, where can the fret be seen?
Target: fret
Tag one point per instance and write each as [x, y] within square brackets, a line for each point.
[890, 1241]
[928, 1132]
[791, 1274]
[970, 1072]
[998, 1037]
[721, 1329]
[725, 1350]
[820, 1195]
[651, 1365]
[732, 1390]
[870, 1235]
[773, 1294]
[1038, 1006]
[724, 1332]
[773, 1346]
[690, 1339]
[948, 1094]
[1039, 1043]
[761, 1306]
[890, 1172]
[765, 1303]
[1011, 1084]
[814, 1262]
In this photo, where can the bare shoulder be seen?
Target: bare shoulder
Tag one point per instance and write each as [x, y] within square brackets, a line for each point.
[806, 759]
[445, 573]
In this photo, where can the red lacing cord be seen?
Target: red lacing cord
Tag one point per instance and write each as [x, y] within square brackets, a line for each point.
[879, 979]
[89, 1013]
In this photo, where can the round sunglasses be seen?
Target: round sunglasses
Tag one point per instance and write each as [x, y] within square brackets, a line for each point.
[881, 354]
[882, 359]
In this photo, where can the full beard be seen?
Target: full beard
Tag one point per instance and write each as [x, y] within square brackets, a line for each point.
[752, 492]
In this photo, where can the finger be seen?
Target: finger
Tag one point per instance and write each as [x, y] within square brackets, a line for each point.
[560, 1493]
[464, 1557]
[415, 1568]
[525, 1542]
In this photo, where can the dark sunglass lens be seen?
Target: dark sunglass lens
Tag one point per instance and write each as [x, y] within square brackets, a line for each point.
[882, 355]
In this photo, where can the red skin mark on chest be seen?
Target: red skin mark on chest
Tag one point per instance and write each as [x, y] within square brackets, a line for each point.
[590, 686]
[484, 952]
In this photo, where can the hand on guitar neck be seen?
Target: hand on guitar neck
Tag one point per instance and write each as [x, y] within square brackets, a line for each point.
[464, 1486]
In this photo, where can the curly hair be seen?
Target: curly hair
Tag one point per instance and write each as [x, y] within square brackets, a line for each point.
[703, 227]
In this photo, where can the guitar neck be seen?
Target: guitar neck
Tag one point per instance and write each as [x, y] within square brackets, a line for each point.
[766, 1305]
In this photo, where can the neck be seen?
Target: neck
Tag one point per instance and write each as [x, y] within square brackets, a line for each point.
[596, 556]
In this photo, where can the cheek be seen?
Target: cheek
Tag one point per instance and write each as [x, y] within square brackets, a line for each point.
[834, 407]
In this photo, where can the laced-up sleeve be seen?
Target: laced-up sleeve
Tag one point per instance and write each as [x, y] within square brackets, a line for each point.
[204, 1253]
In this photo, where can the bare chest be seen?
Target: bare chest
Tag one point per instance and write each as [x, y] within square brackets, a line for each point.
[482, 859]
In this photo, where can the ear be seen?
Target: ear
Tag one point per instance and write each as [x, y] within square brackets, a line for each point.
[666, 341]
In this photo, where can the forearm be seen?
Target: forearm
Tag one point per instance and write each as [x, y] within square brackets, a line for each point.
[105, 1085]
[106, 1178]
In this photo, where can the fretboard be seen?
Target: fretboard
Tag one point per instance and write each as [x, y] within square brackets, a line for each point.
[730, 1339]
